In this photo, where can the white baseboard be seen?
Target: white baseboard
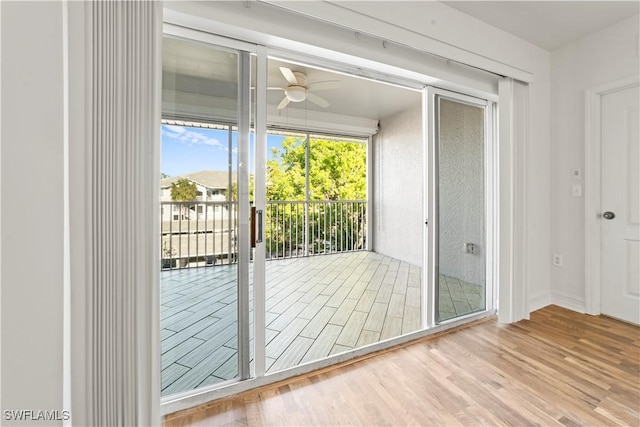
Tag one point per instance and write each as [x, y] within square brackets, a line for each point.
[568, 301]
[539, 300]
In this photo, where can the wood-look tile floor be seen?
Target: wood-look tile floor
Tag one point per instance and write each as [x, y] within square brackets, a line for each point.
[316, 306]
[559, 368]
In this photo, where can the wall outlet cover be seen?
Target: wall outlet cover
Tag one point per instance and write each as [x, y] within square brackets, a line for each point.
[557, 260]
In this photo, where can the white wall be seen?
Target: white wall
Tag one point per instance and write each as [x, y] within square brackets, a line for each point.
[398, 188]
[601, 58]
[32, 243]
[461, 191]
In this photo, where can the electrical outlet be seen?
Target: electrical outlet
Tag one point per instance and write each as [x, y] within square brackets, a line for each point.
[469, 248]
[557, 260]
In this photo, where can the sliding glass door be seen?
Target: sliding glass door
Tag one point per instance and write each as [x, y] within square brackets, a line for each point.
[204, 197]
[459, 203]
[293, 212]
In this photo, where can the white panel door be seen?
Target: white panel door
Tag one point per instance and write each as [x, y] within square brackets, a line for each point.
[621, 204]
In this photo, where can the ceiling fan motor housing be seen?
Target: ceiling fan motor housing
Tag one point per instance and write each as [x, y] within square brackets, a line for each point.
[296, 93]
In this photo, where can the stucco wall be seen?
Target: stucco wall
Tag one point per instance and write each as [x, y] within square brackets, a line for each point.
[596, 60]
[397, 188]
[461, 191]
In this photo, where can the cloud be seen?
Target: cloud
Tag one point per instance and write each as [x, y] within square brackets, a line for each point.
[190, 137]
[175, 129]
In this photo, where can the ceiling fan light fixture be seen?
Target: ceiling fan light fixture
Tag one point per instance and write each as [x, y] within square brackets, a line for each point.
[296, 93]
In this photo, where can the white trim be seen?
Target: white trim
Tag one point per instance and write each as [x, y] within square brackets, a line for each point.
[568, 301]
[370, 193]
[593, 190]
[259, 267]
[539, 300]
[205, 37]
[242, 162]
[491, 186]
[429, 127]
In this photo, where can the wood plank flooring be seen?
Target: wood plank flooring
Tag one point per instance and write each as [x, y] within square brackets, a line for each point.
[316, 306]
[559, 368]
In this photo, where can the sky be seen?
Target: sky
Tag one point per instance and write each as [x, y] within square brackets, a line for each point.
[186, 149]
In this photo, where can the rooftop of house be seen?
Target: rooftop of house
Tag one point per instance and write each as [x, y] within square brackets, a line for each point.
[207, 179]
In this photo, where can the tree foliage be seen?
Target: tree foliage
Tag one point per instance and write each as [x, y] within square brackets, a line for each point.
[183, 190]
[337, 170]
[337, 173]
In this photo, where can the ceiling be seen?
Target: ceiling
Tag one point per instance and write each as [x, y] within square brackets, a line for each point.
[549, 24]
[202, 81]
[355, 96]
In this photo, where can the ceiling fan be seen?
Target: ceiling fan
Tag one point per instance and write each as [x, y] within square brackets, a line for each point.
[298, 90]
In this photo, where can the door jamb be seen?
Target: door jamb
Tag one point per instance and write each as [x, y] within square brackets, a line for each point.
[593, 189]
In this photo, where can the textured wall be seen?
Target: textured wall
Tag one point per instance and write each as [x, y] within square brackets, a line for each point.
[397, 189]
[461, 194]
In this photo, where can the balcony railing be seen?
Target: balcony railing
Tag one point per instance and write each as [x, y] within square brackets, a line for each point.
[196, 234]
[300, 228]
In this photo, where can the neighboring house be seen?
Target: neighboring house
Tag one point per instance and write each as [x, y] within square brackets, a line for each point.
[212, 186]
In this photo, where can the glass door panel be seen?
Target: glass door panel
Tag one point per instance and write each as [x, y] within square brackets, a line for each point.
[460, 199]
[204, 296]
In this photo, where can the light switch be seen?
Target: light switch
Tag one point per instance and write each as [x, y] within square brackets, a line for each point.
[576, 190]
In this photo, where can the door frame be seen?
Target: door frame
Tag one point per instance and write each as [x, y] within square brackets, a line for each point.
[593, 189]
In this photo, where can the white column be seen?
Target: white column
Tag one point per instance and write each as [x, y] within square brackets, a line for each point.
[513, 118]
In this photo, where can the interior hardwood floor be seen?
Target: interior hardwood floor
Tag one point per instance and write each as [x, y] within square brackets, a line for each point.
[559, 368]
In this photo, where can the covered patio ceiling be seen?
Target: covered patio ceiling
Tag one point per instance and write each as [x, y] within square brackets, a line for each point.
[209, 75]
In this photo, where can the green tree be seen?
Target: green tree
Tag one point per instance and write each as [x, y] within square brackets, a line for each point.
[337, 170]
[183, 190]
[337, 173]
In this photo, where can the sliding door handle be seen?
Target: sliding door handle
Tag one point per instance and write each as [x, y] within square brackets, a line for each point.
[259, 237]
[252, 219]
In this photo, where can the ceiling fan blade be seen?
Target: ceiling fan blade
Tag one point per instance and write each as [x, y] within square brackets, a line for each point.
[329, 84]
[283, 103]
[274, 88]
[288, 74]
[317, 100]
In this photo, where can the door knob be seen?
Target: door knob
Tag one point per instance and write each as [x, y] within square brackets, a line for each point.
[609, 215]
